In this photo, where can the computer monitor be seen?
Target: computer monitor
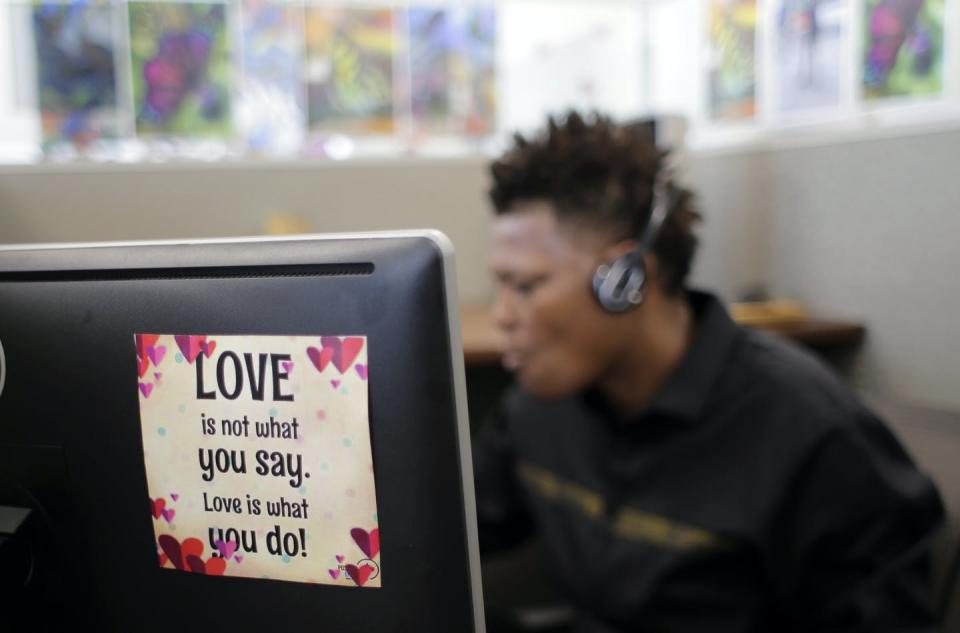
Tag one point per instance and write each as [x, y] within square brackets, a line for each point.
[244, 434]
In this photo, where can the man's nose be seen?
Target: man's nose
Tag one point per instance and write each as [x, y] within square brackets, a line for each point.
[504, 310]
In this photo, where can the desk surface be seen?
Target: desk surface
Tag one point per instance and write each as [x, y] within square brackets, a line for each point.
[481, 341]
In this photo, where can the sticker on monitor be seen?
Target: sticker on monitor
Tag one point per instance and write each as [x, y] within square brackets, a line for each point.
[258, 458]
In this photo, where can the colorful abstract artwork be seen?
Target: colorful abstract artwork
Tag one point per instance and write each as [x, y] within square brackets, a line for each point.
[271, 110]
[181, 69]
[903, 48]
[349, 69]
[452, 69]
[811, 42]
[76, 84]
[732, 58]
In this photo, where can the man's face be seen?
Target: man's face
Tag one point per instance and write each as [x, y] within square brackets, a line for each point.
[558, 339]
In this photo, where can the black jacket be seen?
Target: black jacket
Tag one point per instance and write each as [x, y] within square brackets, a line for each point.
[755, 493]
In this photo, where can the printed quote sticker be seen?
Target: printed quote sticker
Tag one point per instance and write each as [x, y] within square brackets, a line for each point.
[258, 459]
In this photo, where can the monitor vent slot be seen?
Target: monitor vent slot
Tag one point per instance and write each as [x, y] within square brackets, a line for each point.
[199, 272]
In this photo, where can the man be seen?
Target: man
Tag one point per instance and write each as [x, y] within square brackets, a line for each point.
[683, 473]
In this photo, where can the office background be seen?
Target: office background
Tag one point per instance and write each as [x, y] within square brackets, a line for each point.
[852, 209]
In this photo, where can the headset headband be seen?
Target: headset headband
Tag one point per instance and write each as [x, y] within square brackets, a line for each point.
[661, 202]
[618, 286]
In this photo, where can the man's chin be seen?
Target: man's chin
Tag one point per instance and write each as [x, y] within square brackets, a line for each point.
[546, 387]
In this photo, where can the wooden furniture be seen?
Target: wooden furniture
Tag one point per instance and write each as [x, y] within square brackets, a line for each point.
[481, 341]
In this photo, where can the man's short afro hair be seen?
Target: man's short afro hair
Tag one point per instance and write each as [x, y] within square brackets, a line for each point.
[599, 174]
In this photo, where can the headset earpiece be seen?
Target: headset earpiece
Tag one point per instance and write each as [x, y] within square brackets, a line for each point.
[619, 285]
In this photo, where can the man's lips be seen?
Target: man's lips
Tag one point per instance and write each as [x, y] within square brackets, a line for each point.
[512, 359]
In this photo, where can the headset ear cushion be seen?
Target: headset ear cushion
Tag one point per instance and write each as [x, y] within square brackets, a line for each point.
[618, 286]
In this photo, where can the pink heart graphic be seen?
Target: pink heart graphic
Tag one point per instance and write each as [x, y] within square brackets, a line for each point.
[344, 351]
[207, 347]
[238, 558]
[368, 542]
[144, 341]
[157, 376]
[156, 354]
[334, 573]
[287, 366]
[189, 346]
[320, 358]
[168, 514]
[226, 548]
[145, 389]
[340, 558]
[321, 415]
[174, 496]
[361, 371]
[335, 383]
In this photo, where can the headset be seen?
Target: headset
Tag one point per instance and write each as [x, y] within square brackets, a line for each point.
[618, 285]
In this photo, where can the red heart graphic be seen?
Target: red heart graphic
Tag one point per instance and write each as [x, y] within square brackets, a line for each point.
[216, 566]
[192, 547]
[157, 506]
[189, 346]
[369, 543]
[163, 559]
[319, 358]
[182, 555]
[344, 352]
[143, 341]
[359, 575]
[213, 566]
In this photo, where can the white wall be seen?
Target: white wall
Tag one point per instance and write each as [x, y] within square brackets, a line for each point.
[54, 204]
[871, 230]
[140, 202]
[733, 197]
